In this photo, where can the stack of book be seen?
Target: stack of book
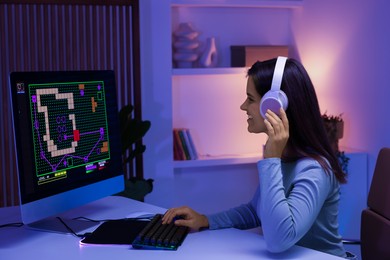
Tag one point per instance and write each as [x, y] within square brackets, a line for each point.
[183, 145]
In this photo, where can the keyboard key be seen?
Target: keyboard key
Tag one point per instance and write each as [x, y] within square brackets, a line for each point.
[165, 233]
[158, 236]
[142, 234]
[179, 236]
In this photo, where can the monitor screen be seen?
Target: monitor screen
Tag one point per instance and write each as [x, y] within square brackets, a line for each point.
[67, 140]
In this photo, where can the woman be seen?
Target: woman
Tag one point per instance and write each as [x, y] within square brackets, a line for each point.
[298, 195]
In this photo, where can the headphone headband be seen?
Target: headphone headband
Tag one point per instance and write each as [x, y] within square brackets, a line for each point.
[278, 73]
[275, 98]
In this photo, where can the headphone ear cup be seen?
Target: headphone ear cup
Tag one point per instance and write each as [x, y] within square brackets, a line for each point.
[273, 100]
[283, 99]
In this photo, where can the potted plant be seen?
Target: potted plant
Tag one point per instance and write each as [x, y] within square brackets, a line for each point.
[132, 132]
[334, 126]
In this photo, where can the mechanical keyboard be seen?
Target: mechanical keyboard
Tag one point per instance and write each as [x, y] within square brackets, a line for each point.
[155, 235]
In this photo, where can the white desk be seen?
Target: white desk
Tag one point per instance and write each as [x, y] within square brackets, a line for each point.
[23, 243]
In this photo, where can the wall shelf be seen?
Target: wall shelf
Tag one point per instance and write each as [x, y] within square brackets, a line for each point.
[239, 3]
[207, 100]
[209, 71]
[206, 161]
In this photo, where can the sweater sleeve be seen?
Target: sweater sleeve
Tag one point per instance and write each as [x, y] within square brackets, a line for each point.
[242, 217]
[287, 215]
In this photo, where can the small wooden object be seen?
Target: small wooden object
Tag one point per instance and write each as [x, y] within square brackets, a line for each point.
[245, 56]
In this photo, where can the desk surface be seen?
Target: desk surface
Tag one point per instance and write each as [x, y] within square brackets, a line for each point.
[24, 243]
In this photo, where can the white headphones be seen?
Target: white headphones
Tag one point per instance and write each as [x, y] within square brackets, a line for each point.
[275, 98]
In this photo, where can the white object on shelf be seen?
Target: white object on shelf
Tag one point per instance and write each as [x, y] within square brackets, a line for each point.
[209, 57]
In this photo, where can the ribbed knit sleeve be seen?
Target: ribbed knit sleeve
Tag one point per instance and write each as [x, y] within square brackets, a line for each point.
[242, 217]
[287, 215]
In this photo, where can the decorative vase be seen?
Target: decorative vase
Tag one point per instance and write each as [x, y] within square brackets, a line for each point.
[185, 46]
[209, 57]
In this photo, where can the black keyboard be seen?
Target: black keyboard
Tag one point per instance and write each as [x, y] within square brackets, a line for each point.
[158, 236]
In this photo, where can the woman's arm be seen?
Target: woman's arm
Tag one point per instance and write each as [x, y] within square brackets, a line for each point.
[242, 217]
[287, 215]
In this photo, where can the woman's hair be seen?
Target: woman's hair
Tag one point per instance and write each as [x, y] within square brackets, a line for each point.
[307, 137]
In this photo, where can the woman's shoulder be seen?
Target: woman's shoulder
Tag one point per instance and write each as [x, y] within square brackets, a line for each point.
[307, 167]
[304, 162]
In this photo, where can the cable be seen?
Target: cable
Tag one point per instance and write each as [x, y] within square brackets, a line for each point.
[93, 220]
[69, 229]
[104, 220]
[88, 219]
[16, 224]
[351, 242]
[20, 224]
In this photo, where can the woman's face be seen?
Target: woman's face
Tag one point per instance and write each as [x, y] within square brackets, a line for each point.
[252, 107]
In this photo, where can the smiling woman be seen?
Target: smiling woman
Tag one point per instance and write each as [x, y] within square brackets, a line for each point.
[298, 195]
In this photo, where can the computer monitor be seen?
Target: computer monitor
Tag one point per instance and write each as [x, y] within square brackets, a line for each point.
[67, 140]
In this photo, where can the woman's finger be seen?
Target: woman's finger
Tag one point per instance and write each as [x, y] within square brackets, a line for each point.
[172, 213]
[275, 121]
[284, 118]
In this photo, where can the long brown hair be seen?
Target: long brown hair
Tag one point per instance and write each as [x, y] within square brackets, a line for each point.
[307, 137]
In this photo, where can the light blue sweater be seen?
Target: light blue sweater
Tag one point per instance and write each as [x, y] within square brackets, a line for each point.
[296, 203]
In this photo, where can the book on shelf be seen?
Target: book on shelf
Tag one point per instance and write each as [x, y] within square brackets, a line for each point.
[183, 145]
[178, 152]
[191, 144]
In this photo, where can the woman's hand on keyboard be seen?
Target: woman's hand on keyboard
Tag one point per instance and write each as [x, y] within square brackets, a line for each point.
[185, 216]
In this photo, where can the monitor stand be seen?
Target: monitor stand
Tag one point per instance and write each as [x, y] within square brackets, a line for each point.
[55, 225]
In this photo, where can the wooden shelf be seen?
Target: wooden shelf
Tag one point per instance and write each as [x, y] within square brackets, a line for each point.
[239, 3]
[206, 161]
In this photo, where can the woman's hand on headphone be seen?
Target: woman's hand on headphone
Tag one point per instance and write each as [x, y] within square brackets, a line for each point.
[278, 133]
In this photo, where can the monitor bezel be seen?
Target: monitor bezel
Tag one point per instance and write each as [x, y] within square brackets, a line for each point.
[37, 207]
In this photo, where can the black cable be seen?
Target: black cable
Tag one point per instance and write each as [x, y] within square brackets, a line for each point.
[93, 220]
[104, 220]
[88, 219]
[20, 224]
[69, 229]
[16, 224]
[351, 242]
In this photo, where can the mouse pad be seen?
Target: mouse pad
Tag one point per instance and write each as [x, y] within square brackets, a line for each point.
[116, 232]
